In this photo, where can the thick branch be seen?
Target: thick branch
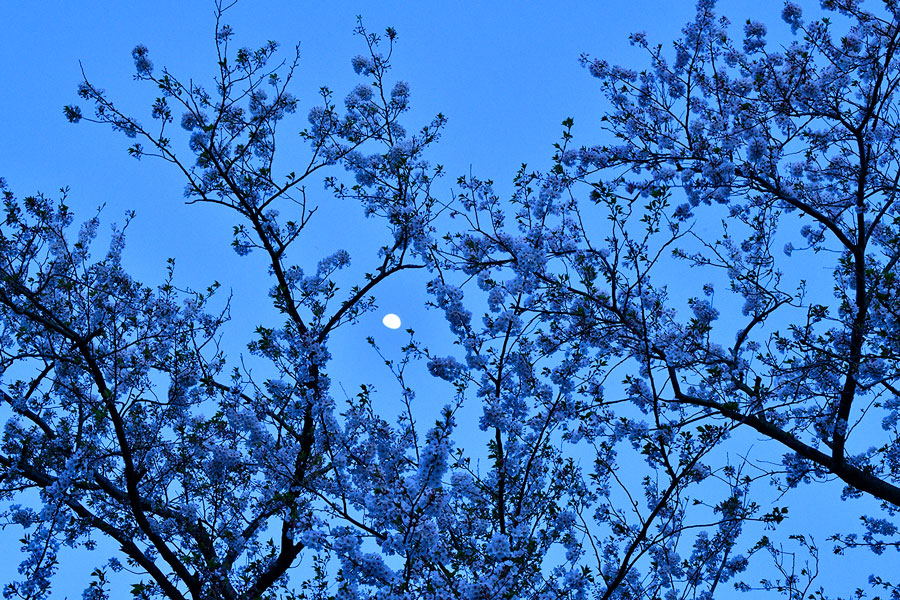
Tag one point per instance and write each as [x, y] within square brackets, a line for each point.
[849, 474]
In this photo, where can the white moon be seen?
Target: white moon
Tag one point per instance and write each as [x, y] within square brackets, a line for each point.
[391, 321]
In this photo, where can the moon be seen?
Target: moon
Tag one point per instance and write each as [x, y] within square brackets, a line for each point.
[391, 321]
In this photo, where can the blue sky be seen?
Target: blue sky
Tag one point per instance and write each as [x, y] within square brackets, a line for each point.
[505, 74]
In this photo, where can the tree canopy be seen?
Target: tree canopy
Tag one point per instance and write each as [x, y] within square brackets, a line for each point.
[657, 339]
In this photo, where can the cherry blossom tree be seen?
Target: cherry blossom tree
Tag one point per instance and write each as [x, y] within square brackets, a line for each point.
[646, 314]
[128, 425]
[125, 423]
[675, 257]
